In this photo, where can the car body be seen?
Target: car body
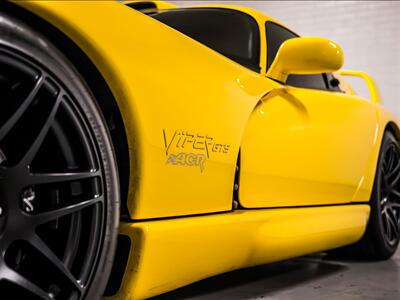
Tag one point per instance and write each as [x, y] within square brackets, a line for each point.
[228, 168]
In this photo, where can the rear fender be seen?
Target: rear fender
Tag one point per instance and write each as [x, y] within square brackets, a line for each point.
[185, 107]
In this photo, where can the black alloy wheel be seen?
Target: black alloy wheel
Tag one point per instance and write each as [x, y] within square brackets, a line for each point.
[59, 191]
[389, 192]
[381, 238]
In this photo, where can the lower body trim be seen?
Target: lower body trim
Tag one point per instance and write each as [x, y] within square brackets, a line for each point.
[168, 254]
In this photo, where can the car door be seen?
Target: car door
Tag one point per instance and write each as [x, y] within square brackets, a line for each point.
[306, 143]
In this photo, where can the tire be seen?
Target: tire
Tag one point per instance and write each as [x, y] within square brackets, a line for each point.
[381, 238]
[59, 186]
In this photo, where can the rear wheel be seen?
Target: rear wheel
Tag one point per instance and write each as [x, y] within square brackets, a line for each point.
[382, 235]
[59, 190]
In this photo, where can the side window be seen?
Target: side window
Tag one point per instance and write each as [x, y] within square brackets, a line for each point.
[276, 35]
[229, 32]
[314, 81]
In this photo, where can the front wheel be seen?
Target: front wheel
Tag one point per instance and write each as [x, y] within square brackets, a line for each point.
[59, 190]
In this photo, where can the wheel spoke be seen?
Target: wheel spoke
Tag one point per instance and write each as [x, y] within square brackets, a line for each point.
[387, 226]
[395, 170]
[391, 157]
[52, 173]
[49, 254]
[20, 111]
[395, 180]
[396, 193]
[393, 223]
[33, 149]
[396, 205]
[387, 161]
[48, 216]
[384, 181]
[61, 177]
[384, 164]
[2, 157]
[73, 239]
[17, 279]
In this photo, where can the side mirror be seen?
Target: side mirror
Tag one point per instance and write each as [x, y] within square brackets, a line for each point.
[305, 55]
[373, 90]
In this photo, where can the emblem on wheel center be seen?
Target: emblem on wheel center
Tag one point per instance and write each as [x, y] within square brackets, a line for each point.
[28, 197]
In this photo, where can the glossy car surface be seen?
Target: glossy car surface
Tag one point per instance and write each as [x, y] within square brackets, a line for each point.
[240, 151]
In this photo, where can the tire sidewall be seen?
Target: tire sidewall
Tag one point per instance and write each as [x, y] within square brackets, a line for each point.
[376, 226]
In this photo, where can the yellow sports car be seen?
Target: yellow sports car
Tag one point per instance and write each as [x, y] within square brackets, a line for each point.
[144, 147]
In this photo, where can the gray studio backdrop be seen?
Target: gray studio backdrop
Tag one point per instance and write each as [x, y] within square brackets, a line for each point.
[368, 31]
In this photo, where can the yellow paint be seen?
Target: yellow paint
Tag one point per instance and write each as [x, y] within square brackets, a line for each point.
[383, 119]
[296, 142]
[169, 254]
[187, 111]
[160, 95]
[305, 55]
[166, 83]
[296, 153]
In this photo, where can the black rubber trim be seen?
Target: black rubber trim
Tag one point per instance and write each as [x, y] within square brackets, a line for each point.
[119, 266]
[127, 220]
[308, 206]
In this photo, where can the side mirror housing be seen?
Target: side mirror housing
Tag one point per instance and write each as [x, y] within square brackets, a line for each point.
[305, 55]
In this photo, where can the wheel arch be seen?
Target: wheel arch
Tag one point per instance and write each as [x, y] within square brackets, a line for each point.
[97, 85]
[155, 109]
[385, 122]
[393, 128]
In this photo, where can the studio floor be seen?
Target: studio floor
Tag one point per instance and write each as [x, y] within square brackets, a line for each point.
[311, 277]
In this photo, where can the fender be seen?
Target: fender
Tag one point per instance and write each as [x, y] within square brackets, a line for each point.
[385, 121]
[175, 96]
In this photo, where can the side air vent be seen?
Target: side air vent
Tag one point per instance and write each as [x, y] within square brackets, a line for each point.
[119, 266]
[147, 8]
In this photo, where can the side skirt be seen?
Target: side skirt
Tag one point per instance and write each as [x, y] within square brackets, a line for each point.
[168, 254]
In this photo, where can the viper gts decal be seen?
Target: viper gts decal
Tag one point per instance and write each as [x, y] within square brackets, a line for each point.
[199, 148]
